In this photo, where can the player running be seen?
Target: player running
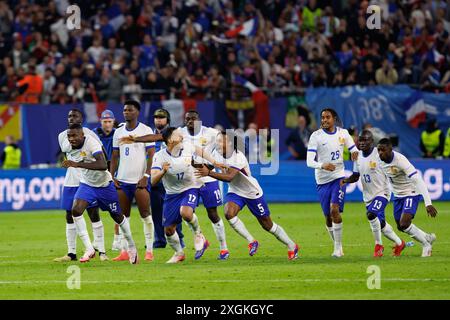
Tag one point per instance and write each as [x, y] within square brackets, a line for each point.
[407, 186]
[157, 194]
[173, 166]
[204, 137]
[71, 184]
[376, 193]
[132, 163]
[325, 155]
[244, 190]
[96, 186]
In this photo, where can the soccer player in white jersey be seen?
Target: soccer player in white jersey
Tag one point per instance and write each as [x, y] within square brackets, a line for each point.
[132, 163]
[71, 184]
[407, 186]
[173, 166]
[325, 155]
[96, 186]
[204, 137]
[244, 190]
[376, 193]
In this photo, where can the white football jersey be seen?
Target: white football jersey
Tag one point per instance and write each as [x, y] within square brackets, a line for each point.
[205, 138]
[329, 148]
[73, 175]
[93, 178]
[374, 181]
[399, 172]
[180, 176]
[243, 184]
[133, 157]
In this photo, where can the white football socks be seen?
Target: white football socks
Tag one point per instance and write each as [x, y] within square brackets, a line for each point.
[82, 232]
[174, 242]
[194, 225]
[149, 232]
[331, 232]
[282, 236]
[71, 237]
[240, 228]
[389, 233]
[417, 234]
[126, 232]
[99, 235]
[337, 232]
[375, 225]
[219, 230]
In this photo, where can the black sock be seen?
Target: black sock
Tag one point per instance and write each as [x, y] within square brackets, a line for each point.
[72, 256]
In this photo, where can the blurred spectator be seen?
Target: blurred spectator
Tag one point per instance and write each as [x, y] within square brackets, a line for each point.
[60, 94]
[298, 139]
[96, 51]
[386, 74]
[409, 73]
[298, 44]
[217, 84]
[198, 84]
[11, 156]
[76, 91]
[148, 57]
[132, 90]
[18, 55]
[432, 140]
[30, 87]
[311, 14]
[113, 83]
[49, 84]
[368, 74]
[446, 152]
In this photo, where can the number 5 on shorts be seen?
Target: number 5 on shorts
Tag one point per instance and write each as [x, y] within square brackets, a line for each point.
[261, 208]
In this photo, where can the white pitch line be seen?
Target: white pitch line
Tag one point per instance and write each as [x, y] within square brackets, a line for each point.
[37, 282]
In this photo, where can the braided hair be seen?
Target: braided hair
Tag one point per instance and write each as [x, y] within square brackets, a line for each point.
[337, 120]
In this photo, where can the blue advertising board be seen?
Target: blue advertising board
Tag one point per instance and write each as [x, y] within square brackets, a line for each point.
[294, 182]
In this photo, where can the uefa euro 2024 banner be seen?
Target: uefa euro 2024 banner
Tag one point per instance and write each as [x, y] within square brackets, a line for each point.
[42, 188]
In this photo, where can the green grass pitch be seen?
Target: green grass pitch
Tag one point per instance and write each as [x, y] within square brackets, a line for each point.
[30, 240]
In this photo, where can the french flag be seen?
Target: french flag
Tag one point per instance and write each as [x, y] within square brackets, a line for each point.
[415, 109]
[116, 18]
[260, 100]
[248, 29]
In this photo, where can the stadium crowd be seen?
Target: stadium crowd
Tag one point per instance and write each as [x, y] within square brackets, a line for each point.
[160, 49]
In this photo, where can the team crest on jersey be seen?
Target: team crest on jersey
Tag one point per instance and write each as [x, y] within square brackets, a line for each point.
[394, 170]
[372, 164]
[83, 154]
[203, 141]
[341, 140]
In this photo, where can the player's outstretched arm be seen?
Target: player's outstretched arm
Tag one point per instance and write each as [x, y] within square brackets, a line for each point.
[207, 156]
[225, 176]
[143, 139]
